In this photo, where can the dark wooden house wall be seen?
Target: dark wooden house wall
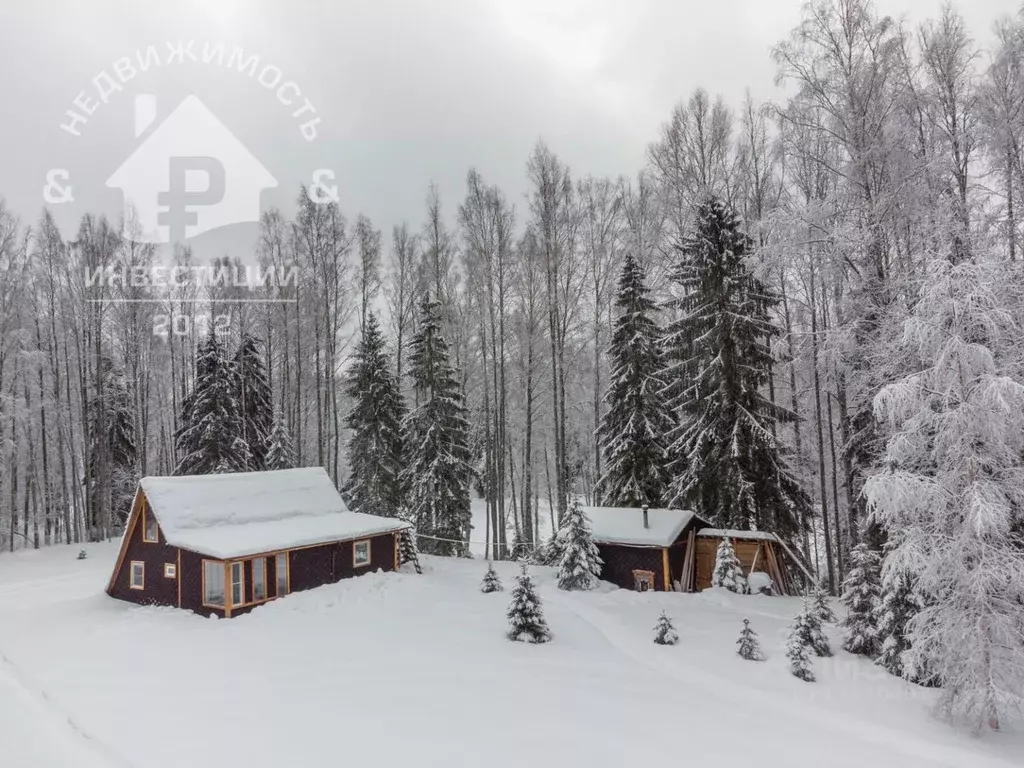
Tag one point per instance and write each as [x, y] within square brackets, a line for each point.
[315, 566]
[620, 561]
[159, 590]
[676, 558]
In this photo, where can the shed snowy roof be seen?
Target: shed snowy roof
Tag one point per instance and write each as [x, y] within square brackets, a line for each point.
[246, 513]
[625, 525]
[719, 533]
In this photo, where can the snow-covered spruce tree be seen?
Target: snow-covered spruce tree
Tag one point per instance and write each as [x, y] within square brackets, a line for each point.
[407, 552]
[549, 552]
[209, 439]
[860, 596]
[113, 449]
[525, 616]
[280, 453]
[728, 573]
[723, 457]
[798, 651]
[899, 603]
[491, 582]
[632, 431]
[748, 646]
[953, 487]
[812, 632]
[437, 472]
[254, 398]
[375, 447]
[821, 608]
[664, 631]
[579, 566]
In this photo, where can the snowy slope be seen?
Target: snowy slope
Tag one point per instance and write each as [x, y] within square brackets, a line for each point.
[400, 669]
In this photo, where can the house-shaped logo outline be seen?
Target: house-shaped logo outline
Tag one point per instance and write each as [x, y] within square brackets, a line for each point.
[191, 130]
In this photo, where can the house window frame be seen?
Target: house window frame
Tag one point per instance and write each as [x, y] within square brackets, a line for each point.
[266, 592]
[147, 516]
[356, 563]
[279, 558]
[642, 575]
[217, 564]
[131, 575]
[241, 583]
[170, 571]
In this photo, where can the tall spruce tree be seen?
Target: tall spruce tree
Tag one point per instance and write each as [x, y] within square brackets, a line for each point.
[254, 398]
[280, 451]
[723, 457]
[112, 432]
[633, 430]
[209, 439]
[375, 447]
[437, 472]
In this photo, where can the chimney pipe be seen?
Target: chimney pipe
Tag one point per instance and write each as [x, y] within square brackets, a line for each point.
[646, 524]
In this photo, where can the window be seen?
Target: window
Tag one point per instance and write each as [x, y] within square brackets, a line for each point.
[238, 583]
[643, 581]
[170, 571]
[361, 553]
[281, 567]
[138, 575]
[213, 583]
[150, 533]
[259, 579]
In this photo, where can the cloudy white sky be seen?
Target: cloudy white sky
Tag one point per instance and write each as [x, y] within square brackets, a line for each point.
[408, 91]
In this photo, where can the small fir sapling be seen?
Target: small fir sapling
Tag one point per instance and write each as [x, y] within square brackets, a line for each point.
[796, 651]
[664, 632]
[749, 646]
[81, 554]
[821, 607]
[728, 572]
[580, 564]
[407, 550]
[861, 597]
[814, 637]
[525, 616]
[899, 603]
[491, 582]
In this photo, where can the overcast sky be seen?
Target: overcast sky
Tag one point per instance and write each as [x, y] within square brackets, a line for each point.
[407, 92]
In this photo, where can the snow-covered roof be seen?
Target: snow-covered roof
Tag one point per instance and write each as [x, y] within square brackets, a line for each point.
[625, 525]
[719, 533]
[246, 513]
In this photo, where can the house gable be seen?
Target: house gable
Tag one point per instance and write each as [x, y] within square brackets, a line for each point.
[159, 587]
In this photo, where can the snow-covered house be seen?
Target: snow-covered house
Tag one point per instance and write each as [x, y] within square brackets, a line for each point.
[222, 544]
[643, 549]
[674, 550]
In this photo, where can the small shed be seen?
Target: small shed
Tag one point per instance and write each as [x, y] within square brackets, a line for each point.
[757, 551]
[223, 544]
[644, 549]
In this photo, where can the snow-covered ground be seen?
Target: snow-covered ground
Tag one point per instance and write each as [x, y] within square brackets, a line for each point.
[400, 669]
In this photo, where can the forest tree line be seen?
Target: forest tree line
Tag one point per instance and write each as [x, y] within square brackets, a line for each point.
[898, 147]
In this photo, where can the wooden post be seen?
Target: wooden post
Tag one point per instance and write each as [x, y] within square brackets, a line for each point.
[227, 589]
[689, 564]
[773, 568]
[757, 554]
[665, 569]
